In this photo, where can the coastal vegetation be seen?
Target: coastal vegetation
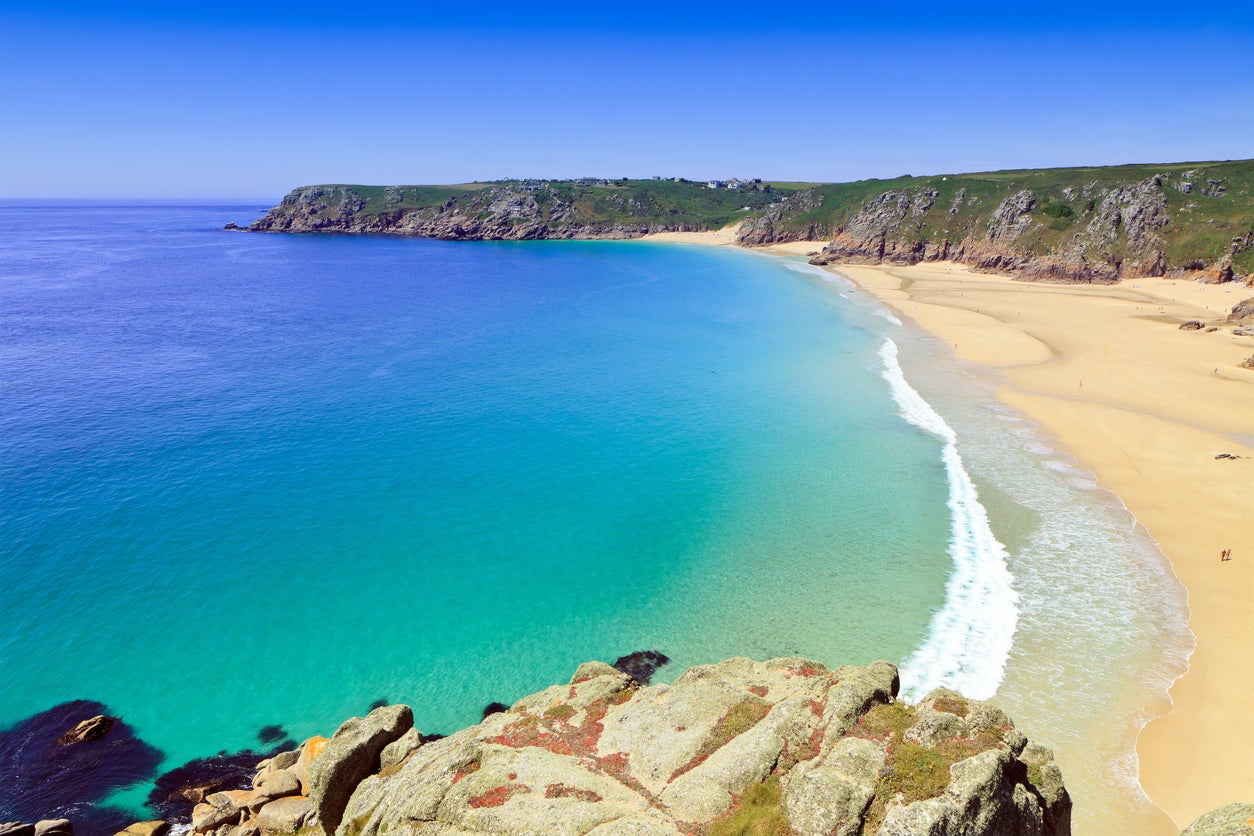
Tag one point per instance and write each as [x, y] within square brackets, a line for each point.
[1092, 224]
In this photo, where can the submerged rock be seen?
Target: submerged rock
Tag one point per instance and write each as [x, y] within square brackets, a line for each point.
[642, 664]
[271, 734]
[494, 708]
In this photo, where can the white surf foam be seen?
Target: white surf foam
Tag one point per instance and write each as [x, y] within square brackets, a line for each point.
[969, 639]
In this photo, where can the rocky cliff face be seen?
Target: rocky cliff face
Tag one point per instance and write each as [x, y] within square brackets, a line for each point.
[494, 213]
[1119, 240]
[785, 746]
[770, 228]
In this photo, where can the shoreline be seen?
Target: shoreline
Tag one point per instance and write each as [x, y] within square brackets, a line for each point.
[1154, 446]
[1145, 407]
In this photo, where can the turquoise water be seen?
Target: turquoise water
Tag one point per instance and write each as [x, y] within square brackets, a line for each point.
[251, 479]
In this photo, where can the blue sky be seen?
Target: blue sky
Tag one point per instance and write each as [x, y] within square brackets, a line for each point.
[225, 100]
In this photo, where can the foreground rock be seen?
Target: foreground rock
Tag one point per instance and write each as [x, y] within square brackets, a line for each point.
[1233, 820]
[351, 755]
[786, 744]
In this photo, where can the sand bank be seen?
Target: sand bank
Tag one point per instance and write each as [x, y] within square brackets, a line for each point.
[1146, 407]
[726, 237]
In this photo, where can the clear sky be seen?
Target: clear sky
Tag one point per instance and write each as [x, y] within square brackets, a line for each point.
[163, 99]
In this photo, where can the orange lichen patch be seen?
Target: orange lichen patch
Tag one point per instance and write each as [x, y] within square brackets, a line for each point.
[758, 690]
[313, 747]
[563, 791]
[738, 720]
[572, 693]
[816, 707]
[497, 796]
[513, 776]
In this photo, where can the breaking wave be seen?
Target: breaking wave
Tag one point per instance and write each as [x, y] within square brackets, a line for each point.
[969, 639]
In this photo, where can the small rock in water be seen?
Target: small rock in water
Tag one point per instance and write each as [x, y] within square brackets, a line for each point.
[87, 731]
[642, 664]
[494, 708]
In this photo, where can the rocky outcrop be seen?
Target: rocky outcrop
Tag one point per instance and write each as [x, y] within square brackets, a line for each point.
[1232, 820]
[1120, 239]
[352, 754]
[769, 227]
[1243, 312]
[808, 749]
[90, 729]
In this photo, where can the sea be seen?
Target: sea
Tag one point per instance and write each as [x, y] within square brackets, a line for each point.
[257, 480]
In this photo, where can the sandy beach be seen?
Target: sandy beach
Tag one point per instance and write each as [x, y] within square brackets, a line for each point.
[1146, 407]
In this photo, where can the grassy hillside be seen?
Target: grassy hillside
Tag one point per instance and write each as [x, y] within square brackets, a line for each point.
[1079, 224]
[1208, 205]
[608, 202]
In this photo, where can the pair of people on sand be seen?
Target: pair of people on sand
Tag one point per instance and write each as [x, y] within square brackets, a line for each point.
[1226, 554]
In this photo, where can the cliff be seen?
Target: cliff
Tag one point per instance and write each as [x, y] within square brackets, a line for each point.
[517, 210]
[1193, 220]
[780, 747]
